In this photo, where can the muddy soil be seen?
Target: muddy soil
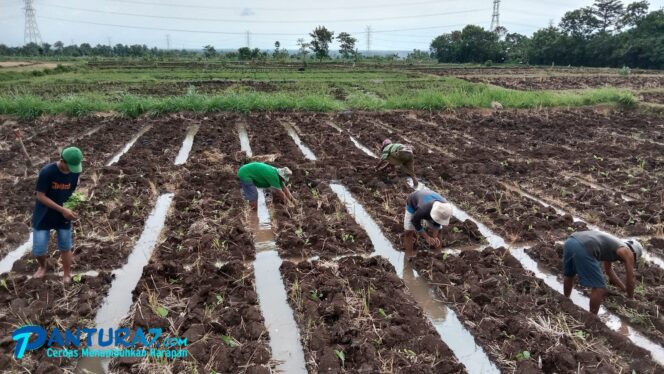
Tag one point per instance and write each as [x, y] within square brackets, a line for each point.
[204, 221]
[656, 246]
[652, 97]
[98, 148]
[119, 200]
[383, 195]
[516, 72]
[643, 312]
[206, 243]
[216, 309]
[317, 224]
[360, 308]
[510, 311]
[572, 82]
[46, 303]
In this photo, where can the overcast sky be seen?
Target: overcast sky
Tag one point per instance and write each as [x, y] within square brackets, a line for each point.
[395, 24]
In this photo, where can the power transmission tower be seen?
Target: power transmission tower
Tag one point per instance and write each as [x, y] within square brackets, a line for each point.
[368, 40]
[168, 42]
[495, 18]
[248, 39]
[31, 34]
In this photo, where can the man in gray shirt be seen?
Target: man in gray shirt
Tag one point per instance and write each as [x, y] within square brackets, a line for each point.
[582, 254]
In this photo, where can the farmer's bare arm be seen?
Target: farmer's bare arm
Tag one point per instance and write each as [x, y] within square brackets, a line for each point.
[42, 198]
[628, 258]
[613, 278]
[288, 194]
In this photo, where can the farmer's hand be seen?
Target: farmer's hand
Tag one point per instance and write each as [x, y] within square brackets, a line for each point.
[68, 214]
[434, 242]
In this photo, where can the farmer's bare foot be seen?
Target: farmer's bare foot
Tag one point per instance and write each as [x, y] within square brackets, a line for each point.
[39, 273]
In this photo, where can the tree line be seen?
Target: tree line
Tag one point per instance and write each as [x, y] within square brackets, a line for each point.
[608, 33]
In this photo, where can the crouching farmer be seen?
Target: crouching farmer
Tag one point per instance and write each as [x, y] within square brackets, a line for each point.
[582, 253]
[425, 208]
[55, 184]
[399, 155]
[260, 175]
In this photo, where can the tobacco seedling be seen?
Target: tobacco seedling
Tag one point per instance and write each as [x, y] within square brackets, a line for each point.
[342, 357]
[77, 278]
[348, 237]
[521, 356]
[230, 341]
[382, 313]
[220, 299]
[456, 230]
[641, 288]
[314, 295]
[74, 201]
[3, 283]
[581, 334]
[409, 353]
[161, 311]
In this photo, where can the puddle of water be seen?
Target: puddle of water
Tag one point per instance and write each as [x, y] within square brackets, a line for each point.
[308, 154]
[244, 139]
[444, 320]
[611, 320]
[284, 334]
[91, 131]
[361, 147]
[11, 257]
[117, 303]
[272, 297]
[188, 142]
[333, 125]
[128, 146]
[599, 187]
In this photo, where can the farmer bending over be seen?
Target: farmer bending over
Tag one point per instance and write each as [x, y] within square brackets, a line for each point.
[261, 175]
[400, 155]
[425, 208]
[582, 254]
[55, 184]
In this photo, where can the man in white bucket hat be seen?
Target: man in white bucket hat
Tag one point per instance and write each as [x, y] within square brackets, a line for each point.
[425, 208]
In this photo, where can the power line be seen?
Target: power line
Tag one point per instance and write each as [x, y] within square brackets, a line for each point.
[283, 9]
[368, 40]
[230, 32]
[217, 20]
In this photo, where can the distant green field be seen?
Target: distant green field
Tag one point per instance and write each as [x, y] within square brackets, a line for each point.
[136, 88]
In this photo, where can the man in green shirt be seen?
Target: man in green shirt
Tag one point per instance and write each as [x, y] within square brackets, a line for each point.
[261, 175]
[400, 155]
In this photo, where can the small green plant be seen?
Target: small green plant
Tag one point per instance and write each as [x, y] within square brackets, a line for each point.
[299, 232]
[74, 201]
[77, 278]
[382, 313]
[456, 230]
[161, 311]
[315, 296]
[625, 70]
[230, 341]
[522, 356]
[581, 334]
[220, 299]
[342, 357]
[642, 164]
[409, 353]
[446, 255]
[641, 288]
[348, 237]
[3, 283]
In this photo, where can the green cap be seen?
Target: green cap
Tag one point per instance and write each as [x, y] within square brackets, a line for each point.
[73, 157]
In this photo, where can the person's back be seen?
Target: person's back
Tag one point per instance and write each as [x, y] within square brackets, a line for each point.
[261, 174]
[419, 199]
[601, 246]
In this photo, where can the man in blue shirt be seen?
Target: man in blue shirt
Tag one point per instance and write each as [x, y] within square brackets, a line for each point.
[425, 208]
[55, 184]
